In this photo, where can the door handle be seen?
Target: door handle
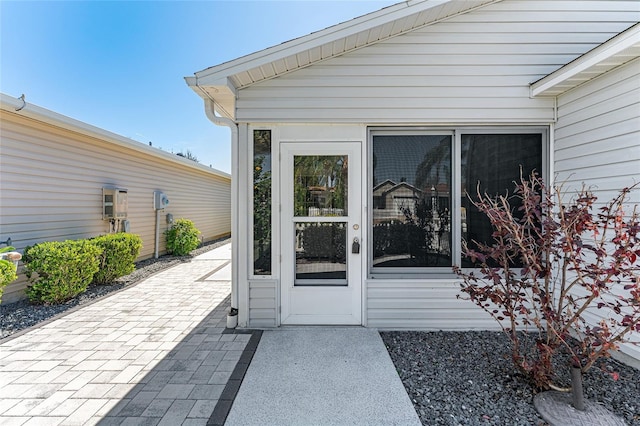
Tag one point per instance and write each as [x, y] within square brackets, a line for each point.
[355, 247]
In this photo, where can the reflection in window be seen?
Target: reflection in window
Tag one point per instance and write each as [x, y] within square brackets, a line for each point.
[494, 161]
[412, 201]
[320, 185]
[262, 202]
[321, 256]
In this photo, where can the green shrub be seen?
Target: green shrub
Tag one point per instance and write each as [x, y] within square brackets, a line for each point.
[59, 271]
[119, 251]
[7, 271]
[182, 237]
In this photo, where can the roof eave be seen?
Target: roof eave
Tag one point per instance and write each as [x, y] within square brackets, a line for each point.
[220, 84]
[611, 54]
[11, 105]
[273, 60]
[309, 41]
[222, 93]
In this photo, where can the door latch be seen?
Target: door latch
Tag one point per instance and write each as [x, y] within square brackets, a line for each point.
[355, 247]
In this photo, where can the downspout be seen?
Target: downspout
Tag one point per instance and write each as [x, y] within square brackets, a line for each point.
[209, 108]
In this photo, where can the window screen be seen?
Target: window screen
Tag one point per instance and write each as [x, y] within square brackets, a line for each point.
[262, 202]
[412, 201]
[494, 162]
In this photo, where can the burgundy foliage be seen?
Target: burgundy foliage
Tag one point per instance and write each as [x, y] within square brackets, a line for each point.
[567, 274]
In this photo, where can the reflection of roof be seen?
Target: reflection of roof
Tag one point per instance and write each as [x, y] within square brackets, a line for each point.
[381, 184]
[320, 189]
[395, 187]
[402, 185]
[442, 189]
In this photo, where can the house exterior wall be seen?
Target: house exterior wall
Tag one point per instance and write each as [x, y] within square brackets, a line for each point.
[473, 68]
[263, 303]
[52, 175]
[597, 133]
[417, 303]
[598, 141]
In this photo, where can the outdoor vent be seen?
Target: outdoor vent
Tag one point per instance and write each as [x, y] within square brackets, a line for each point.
[114, 203]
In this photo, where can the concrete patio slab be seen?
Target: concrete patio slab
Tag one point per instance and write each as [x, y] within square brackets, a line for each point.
[321, 376]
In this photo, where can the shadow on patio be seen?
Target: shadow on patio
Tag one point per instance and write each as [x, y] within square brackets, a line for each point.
[185, 386]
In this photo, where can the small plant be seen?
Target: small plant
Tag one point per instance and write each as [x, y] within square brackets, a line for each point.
[562, 270]
[60, 270]
[119, 251]
[182, 237]
[7, 271]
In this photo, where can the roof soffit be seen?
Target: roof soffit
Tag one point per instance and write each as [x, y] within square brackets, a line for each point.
[334, 41]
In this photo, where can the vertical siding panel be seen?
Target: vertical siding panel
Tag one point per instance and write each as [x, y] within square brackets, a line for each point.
[52, 178]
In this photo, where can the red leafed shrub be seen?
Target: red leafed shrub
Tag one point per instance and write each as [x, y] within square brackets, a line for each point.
[566, 273]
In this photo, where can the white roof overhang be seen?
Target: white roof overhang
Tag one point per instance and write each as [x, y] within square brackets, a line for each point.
[221, 82]
[611, 54]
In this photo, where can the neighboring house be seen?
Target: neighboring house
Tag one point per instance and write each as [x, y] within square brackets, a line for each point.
[53, 170]
[391, 199]
[426, 94]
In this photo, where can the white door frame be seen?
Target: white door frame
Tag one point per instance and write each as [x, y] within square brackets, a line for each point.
[319, 304]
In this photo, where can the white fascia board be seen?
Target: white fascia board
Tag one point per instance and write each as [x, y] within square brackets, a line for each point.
[9, 104]
[224, 83]
[222, 93]
[315, 39]
[191, 81]
[597, 55]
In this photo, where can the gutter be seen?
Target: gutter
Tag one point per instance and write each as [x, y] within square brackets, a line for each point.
[209, 108]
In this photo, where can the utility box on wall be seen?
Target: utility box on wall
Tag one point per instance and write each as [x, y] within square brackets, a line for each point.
[160, 200]
[114, 203]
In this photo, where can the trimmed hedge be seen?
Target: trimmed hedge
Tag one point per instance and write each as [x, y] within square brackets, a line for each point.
[60, 270]
[7, 274]
[182, 237]
[119, 251]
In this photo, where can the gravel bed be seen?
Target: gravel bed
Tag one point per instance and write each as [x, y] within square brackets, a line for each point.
[17, 316]
[467, 378]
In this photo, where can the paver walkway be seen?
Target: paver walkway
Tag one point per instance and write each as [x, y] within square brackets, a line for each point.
[150, 354]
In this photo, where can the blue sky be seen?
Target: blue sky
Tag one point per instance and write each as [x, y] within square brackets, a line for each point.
[120, 65]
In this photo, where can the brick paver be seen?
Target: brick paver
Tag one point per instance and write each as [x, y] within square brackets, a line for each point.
[151, 354]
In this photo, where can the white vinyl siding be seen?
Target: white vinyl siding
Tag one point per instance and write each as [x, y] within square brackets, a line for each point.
[52, 179]
[598, 142]
[473, 68]
[422, 304]
[598, 132]
[263, 306]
